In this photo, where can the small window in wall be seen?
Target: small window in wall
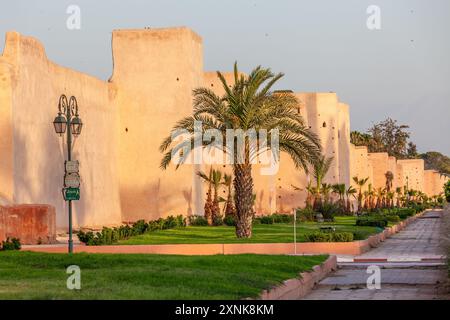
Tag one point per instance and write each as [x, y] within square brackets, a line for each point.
[324, 124]
[212, 84]
[178, 79]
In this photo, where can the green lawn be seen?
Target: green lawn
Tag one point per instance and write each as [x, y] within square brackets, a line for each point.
[28, 275]
[262, 233]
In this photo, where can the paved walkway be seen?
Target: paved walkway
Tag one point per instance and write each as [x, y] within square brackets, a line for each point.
[414, 267]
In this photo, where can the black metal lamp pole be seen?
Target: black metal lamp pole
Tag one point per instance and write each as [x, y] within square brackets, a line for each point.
[68, 120]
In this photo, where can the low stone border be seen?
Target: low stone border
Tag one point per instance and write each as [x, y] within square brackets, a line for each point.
[344, 248]
[294, 289]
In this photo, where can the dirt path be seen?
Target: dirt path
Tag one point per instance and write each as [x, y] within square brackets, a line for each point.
[412, 265]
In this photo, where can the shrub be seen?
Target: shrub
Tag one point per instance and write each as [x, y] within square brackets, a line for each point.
[229, 221]
[266, 219]
[392, 218]
[447, 191]
[112, 235]
[198, 221]
[257, 220]
[372, 221]
[218, 221]
[328, 211]
[329, 237]
[342, 237]
[306, 214]
[282, 218]
[140, 226]
[404, 213]
[11, 244]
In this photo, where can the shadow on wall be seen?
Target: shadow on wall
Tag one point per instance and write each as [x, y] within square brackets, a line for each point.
[39, 180]
[146, 202]
[287, 199]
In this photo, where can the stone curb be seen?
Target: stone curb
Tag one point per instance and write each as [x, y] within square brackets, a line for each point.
[297, 288]
[345, 248]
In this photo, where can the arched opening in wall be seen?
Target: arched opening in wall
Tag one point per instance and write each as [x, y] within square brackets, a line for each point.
[212, 84]
[324, 124]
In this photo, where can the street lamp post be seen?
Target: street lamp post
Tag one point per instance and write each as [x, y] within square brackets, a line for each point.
[68, 121]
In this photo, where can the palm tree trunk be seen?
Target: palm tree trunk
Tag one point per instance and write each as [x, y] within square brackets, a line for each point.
[243, 196]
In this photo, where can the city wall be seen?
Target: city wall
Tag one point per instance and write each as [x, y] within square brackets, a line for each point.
[126, 118]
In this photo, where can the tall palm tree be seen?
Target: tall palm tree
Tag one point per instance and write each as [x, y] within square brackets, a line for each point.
[320, 170]
[360, 183]
[248, 104]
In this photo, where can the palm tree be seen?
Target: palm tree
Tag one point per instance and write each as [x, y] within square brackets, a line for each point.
[371, 197]
[248, 104]
[389, 179]
[360, 183]
[339, 189]
[380, 199]
[209, 202]
[399, 193]
[310, 190]
[350, 192]
[320, 169]
[229, 206]
[325, 191]
[214, 179]
[390, 199]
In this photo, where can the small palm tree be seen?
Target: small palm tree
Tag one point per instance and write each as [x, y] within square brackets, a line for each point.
[209, 202]
[320, 170]
[248, 104]
[340, 189]
[360, 183]
[380, 199]
[325, 191]
[350, 193]
[214, 181]
[389, 179]
[371, 196]
[310, 190]
[390, 199]
[399, 195]
[229, 206]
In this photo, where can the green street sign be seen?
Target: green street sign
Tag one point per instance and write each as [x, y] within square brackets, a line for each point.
[72, 194]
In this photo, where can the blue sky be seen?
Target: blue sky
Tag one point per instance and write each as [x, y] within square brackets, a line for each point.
[401, 71]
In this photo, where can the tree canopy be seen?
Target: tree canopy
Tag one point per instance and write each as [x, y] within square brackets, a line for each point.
[387, 136]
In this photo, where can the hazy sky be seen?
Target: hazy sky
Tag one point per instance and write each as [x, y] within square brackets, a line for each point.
[401, 71]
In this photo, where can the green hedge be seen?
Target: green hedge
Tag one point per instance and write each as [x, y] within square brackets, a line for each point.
[10, 244]
[111, 235]
[329, 237]
[372, 221]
